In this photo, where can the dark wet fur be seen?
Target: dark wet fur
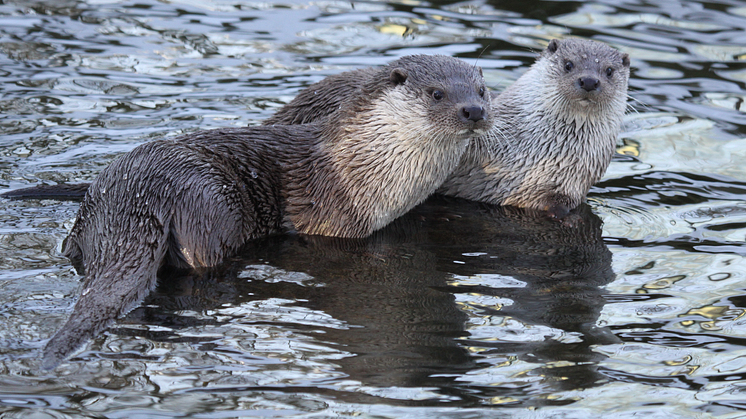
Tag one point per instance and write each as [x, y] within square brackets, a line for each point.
[62, 191]
[320, 99]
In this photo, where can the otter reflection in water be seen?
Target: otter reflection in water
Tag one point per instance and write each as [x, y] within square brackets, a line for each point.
[398, 290]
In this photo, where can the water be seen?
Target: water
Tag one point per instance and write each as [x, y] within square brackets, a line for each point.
[634, 307]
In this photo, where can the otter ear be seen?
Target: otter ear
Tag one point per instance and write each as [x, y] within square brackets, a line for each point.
[398, 76]
[625, 60]
[553, 45]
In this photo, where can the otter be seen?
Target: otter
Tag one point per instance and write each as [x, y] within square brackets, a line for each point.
[555, 131]
[554, 134]
[194, 200]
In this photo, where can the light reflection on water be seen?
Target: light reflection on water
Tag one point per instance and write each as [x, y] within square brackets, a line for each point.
[452, 309]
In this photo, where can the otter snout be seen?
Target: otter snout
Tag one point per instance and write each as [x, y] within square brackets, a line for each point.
[472, 113]
[589, 84]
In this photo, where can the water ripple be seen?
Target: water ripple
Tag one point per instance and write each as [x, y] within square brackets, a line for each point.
[490, 308]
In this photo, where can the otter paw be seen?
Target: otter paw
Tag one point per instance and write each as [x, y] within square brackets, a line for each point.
[558, 211]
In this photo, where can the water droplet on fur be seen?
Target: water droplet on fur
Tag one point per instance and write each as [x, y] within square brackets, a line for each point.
[86, 291]
[137, 195]
[596, 60]
[120, 243]
[254, 174]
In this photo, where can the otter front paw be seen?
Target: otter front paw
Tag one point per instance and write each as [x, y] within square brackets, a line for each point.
[558, 205]
[558, 211]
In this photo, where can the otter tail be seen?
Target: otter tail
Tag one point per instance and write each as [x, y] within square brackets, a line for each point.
[112, 288]
[62, 192]
[98, 306]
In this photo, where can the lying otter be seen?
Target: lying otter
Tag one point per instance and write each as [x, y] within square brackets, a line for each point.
[554, 135]
[193, 200]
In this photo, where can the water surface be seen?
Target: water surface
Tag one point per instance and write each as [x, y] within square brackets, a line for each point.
[634, 307]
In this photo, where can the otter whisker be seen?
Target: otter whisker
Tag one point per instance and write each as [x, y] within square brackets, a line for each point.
[641, 103]
[486, 47]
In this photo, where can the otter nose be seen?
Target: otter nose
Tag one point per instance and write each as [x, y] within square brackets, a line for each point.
[589, 84]
[472, 113]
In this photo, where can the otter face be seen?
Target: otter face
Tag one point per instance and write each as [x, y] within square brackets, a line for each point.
[590, 74]
[451, 94]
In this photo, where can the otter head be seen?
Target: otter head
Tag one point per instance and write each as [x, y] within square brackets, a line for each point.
[443, 92]
[586, 76]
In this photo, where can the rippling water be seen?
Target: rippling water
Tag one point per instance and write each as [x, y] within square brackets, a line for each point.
[634, 307]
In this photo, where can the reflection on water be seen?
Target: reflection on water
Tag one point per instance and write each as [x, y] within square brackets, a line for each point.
[457, 305]
[394, 311]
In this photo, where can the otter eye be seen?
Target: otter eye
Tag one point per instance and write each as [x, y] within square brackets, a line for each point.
[438, 94]
[569, 65]
[609, 72]
[481, 91]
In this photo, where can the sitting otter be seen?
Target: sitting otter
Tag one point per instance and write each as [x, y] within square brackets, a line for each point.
[554, 135]
[193, 200]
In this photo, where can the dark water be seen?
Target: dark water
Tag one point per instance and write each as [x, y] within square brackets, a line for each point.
[633, 307]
